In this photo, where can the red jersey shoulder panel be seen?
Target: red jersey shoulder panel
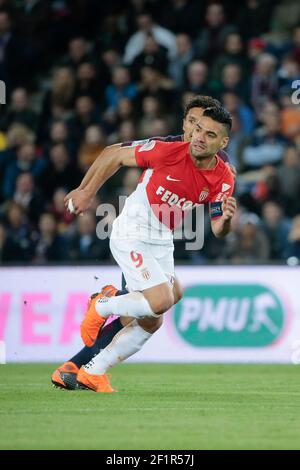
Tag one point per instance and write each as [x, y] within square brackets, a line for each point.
[155, 154]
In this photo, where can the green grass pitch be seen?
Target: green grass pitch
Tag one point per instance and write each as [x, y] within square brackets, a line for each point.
[159, 406]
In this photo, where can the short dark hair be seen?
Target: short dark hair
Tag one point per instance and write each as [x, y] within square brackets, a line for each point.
[201, 101]
[221, 115]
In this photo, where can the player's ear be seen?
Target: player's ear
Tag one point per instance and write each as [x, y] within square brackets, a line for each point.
[224, 143]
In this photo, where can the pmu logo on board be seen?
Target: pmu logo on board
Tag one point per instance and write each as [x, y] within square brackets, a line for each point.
[229, 315]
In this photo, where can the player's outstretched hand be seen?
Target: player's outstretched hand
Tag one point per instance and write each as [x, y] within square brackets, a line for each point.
[81, 200]
[228, 208]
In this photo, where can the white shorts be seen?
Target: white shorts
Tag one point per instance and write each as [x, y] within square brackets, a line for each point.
[143, 264]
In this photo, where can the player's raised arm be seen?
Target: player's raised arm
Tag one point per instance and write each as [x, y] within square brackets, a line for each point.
[106, 165]
[95, 165]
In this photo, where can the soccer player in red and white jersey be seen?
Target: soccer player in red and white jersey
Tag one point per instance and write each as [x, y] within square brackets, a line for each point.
[65, 375]
[178, 177]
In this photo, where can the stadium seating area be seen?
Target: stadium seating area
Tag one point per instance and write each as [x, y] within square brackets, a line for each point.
[84, 74]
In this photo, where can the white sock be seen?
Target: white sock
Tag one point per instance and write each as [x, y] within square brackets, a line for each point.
[133, 305]
[126, 342]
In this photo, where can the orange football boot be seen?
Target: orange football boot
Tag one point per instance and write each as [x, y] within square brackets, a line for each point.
[109, 290]
[65, 376]
[93, 322]
[96, 383]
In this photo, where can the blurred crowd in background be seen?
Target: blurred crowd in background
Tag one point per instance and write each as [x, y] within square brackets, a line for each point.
[84, 74]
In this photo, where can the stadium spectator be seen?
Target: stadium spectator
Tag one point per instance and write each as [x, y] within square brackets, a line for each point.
[256, 46]
[296, 44]
[129, 182]
[277, 228]
[58, 210]
[289, 178]
[146, 26]
[93, 144]
[49, 246]
[210, 41]
[121, 87]
[26, 161]
[59, 133]
[78, 52]
[86, 114]
[28, 197]
[294, 238]
[60, 172]
[158, 127]
[12, 55]
[87, 82]
[109, 59]
[197, 78]
[33, 25]
[237, 107]
[153, 83]
[125, 110]
[16, 136]
[151, 111]
[264, 81]
[182, 16]
[288, 72]
[237, 142]
[267, 146]
[267, 186]
[61, 94]
[285, 16]
[232, 81]
[112, 36]
[248, 243]
[61, 28]
[126, 132]
[152, 55]
[9, 250]
[233, 53]
[85, 245]
[253, 18]
[20, 110]
[19, 229]
[184, 55]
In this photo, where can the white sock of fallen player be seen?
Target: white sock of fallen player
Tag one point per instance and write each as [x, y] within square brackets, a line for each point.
[127, 342]
[133, 305]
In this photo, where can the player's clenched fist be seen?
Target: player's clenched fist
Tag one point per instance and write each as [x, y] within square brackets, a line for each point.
[228, 208]
[81, 200]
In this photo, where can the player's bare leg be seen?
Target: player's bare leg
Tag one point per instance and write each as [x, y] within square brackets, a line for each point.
[66, 375]
[151, 303]
[177, 291]
[153, 324]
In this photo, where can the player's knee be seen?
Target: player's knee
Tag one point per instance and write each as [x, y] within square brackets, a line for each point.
[178, 293]
[163, 303]
[151, 324]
